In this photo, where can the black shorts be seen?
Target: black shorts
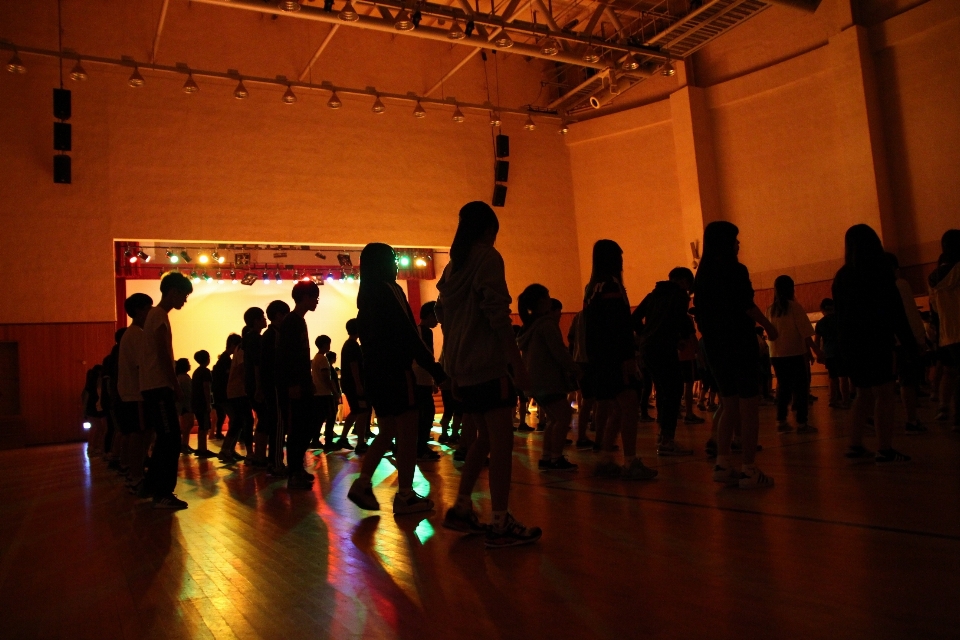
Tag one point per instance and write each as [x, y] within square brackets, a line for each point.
[688, 371]
[909, 367]
[609, 380]
[871, 368]
[203, 419]
[489, 395]
[392, 393]
[128, 417]
[735, 365]
[356, 402]
[834, 367]
[451, 405]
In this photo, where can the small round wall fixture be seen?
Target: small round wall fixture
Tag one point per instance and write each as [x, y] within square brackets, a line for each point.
[378, 106]
[191, 87]
[529, 125]
[241, 93]
[419, 111]
[667, 69]
[549, 47]
[334, 101]
[289, 97]
[458, 116]
[16, 64]
[135, 80]
[78, 73]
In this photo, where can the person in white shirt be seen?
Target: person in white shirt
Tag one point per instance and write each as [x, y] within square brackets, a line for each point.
[790, 355]
[160, 389]
[129, 411]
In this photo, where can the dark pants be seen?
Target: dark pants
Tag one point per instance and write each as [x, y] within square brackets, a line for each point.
[271, 420]
[160, 414]
[646, 390]
[302, 417]
[241, 424]
[793, 383]
[327, 415]
[425, 406]
[666, 375]
[221, 409]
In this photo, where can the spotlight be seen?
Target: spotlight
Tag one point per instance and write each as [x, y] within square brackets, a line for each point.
[344, 259]
[667, 69]
[87, 426]
[495, 119]
[172, 257]
[219, 259]
[404, 261]
[130, 257]
[549, 47]
[591, 55]
[16, 64]
[233, 276]
[456, 33]
[503, 40]
[420, 263]
[348, 13]
[458, 115]
[135, 79]
[78, 72]
[206, 277]
[203, 259]
[349, 276]
[219, 277]
[289, 5]
[266, 278]
[378, 106]
[296, 274]
[529, 125]
[320, 255]
[143, 255]
[630, 64]
[469, 28]
[194, 276]
[289, 97]
[564, 128]
[403, 22]
[190, 86]
[334, 101]
[185, 256]
[329, 276]
[418, 111]
[240, 93]
[278, 277]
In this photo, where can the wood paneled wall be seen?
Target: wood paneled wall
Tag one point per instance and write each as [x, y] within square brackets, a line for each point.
[54, 359]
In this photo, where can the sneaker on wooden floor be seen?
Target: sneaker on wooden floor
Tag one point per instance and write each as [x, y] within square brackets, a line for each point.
[671, 448]
[890, 456]
[806, 428]
[726, 475]
[361, 494]
[464, 522]
[560, 464]
[638, 471]
[755, 479]
[412, 503]
[511, 533]
[169, 502]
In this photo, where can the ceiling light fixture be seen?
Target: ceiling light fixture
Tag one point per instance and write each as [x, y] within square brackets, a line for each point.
[289, 5]
[132, 259]
[495, 119]
[348, 13]
[591, 56]
[143, 255]
[403, 21]
[630, 64]
[78, 73]
[16, 64]
[266, 278]
[529, 125]
[219, 259]
[278, 277]
[240, 93]
[564, 128]
[458, 115]
[185, 256]
[419, 111]
[190, 87]
[549, 47]
[667, 69]
[135, 80]
[172, 257]
[334, 101]
[204, 258]
[503, 40]
[456, 33]
[233, 276]
[289, 97]
[219, 277]
[378, 106]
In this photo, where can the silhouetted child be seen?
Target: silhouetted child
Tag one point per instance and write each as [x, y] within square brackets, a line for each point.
[201, 397]
[185, 404]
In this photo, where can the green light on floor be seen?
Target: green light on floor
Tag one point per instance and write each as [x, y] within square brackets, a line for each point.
[424, 531]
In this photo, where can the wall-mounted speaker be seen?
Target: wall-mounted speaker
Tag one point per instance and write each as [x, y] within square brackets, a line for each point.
[61, 104]
[502, 170]
[503, 146]
[62, 136]
[61, 169]
[499, 195]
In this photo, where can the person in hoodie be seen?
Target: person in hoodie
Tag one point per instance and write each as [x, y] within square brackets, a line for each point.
[661, 322]
[552, 372]
[391, 344]
[611, 356]
[945, 302]
[870, 318]
[478, 344]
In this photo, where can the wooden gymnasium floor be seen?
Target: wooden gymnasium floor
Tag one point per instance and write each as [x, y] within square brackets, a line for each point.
[834, 551]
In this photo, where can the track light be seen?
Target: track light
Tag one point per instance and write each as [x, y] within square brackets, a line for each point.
[456, 33]
[404, 261]
[503, 40]
[564, 128]
[135, 80]
[334, 101]
[219, 277]
[289, 5]
[143, 255]
[78, 73]
[190, 86]
[130, 257]
[16, 64]
[194, 276]
[419, 111]
[529, 125]
[403, 22]
[549, 47]
[378, 106]
[591, 55]
[172, 257]
[241, 93]
[420, 263]
[278, 277]
[266, 278]
[233, 276]
[458, 115]
[468, 30]
[206, 277]
[219, 259]
[185, 256]
[630, 64]
[289, 97]
[495, 119]
[667, 69]
[348, 13]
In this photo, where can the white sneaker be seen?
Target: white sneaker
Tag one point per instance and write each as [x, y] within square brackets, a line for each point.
[755, 480]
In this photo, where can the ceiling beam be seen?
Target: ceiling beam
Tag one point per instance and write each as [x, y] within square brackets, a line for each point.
[156, 38]
[323, 45]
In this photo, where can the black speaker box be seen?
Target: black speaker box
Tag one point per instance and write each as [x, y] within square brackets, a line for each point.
[62, 136]
[502, 170]
[61, 169]
[499, 195]
[61, 104]
[503, 146]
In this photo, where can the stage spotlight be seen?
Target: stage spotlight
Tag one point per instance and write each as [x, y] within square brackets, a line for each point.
[185, 256]
[135, 80]
[416, 18]
[278, 277]
[143, 255]
[172, 257]
[266, 278]
[458, 115]
[289, 97]
[206, 277]
[194, 276]
[87, 426]
[219, 277]
[78, 72]
[404, 261]
[468, 30]
[344, 259]
[529, 125]
[334, 101]
[204, 258]
[329, 276]
[219, 259]
[348, 13]
[378, 106]
[190, 86]
[328, 6]
[233, 276]
[240, 92]
[130, 256]
[418, 111]
[420, 262]
[320, 255]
